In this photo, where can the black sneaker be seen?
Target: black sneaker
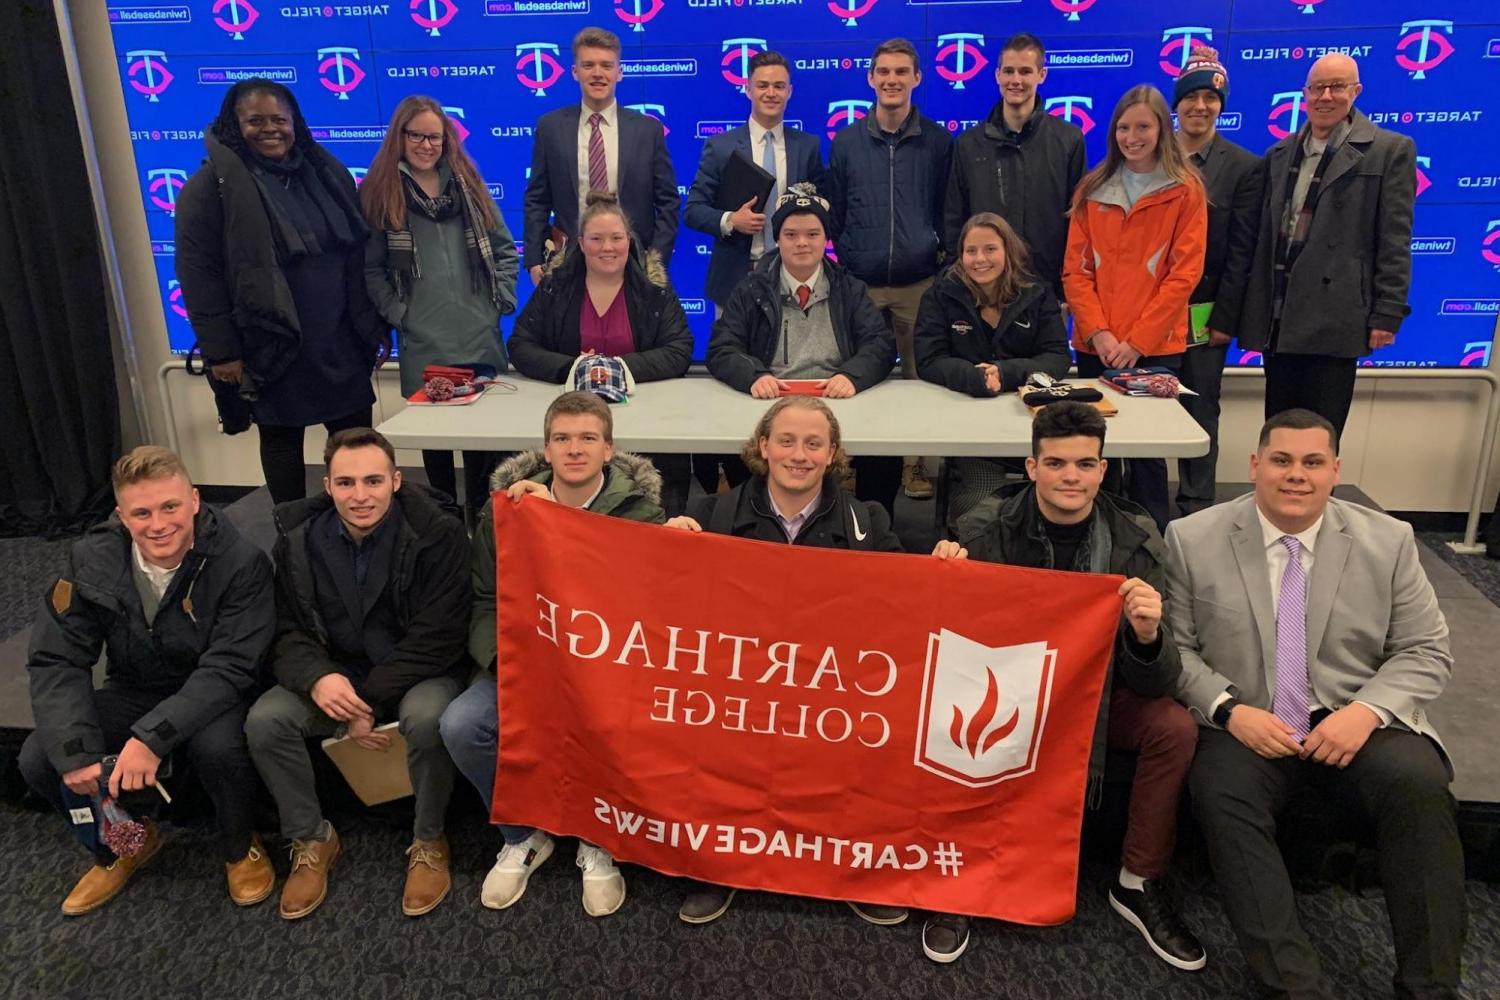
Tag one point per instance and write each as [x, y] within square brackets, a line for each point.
[706, 903]
[1151, 912]
[945, 936]
[883, 916]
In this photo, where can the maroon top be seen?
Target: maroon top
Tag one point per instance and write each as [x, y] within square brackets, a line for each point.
[608, 335]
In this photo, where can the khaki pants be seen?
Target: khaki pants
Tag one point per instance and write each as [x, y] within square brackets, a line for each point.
[898, 304]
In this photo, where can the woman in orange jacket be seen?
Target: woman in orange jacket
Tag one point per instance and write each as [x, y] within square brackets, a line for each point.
[1135, 253]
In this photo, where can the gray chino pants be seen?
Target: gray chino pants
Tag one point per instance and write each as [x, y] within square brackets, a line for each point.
[281, 722]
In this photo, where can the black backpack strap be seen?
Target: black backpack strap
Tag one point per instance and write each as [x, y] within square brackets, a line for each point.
[721, 521]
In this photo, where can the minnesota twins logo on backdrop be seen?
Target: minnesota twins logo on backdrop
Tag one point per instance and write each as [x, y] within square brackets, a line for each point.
[1490, 245]
[1073, 8]
[430, 15]
[960, 57]
[1424, 164]
[174, 298]
[339, 70]
[456, 117]
[1423, 46]
[235, 17]
[537, 67]
[850, 10]
[1072, 109]
[841, 113]
[1287, 109]
[735, 65]
[637, 12]
[148, 72]
[983, 708]
[656, 111]
[1178, 46]
[358, 173]
[1476, 355]
[162, 186]
[1308, 6]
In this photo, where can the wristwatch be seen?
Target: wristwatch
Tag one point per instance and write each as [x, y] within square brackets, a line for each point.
[1221, 714]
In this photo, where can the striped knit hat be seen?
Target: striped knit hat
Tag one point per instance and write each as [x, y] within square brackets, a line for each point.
[1203, 72]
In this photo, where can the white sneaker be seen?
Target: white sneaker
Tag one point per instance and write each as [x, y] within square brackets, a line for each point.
[506, 882]
[603, 885]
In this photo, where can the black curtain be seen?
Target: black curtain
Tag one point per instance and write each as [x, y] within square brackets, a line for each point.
[59, 416]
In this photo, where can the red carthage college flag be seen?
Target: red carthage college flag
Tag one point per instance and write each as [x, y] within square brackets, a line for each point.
[867, 726]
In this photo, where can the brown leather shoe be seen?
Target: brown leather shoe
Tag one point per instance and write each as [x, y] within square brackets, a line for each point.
[251, 878]
[427, 881]
[100, 884]
[307, 885]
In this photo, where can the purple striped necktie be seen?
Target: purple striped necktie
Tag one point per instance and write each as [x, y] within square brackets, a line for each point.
[598, 169]
[1289, 701]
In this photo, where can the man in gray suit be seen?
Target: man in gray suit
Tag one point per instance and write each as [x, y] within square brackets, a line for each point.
[1311, 645]
[1332, 263]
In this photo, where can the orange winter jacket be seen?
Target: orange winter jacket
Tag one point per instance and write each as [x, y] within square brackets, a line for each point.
[1131, 272]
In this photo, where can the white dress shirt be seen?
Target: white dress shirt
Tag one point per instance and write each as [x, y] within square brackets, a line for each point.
[757, 153]
[159, 578]
[1277, 558]
[609, 130]
[793, 525]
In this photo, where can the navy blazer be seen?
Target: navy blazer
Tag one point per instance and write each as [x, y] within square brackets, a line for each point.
[647, 184]
[730, 261]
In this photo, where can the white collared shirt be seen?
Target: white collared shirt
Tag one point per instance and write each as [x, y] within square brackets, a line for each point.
[790, 284]
[159, 578]
[758, 134]
[609, 129]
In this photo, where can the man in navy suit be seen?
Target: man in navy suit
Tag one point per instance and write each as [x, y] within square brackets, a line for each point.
[740, 236]
[598, 145]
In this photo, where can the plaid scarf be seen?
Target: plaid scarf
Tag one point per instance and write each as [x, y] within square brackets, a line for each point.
[1292, 234]
[402, 262]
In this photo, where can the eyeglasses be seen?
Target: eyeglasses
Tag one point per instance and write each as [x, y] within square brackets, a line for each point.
[423, 138]
[1338, 89]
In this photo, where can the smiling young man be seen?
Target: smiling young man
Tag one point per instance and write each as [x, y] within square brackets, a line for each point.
[1332, 267]
[1311, 645]
[1235, 181]
[577, 466]
[801, 316]
[792, 497]
[372, 606]
[1021, 163]
[894, 163]
[181, 606]
[1061, 520]
[598, 146]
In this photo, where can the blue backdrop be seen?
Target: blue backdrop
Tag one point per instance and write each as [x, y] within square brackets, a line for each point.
[496, 65]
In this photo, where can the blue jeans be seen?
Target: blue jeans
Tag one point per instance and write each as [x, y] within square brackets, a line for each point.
[471, 732]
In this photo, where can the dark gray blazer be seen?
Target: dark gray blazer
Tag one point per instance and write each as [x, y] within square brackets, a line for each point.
[647, 183]
[1235, 181]
[1354, 273]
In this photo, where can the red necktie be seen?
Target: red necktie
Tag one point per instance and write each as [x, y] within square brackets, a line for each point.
[803, 294]
[598, 170]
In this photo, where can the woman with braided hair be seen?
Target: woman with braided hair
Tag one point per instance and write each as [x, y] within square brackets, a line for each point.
[270, 256]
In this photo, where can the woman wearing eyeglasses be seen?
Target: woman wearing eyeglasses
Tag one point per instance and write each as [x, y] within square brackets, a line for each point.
[270, 252]
[603, 296]
[440, 265]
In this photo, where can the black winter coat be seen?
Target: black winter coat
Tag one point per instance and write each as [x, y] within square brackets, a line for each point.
[886, 199]
[202, 654]
[1235, 180]
[746, 336]
[949, 339]
[1029, 180]
[839, 522]
[430, 577]
[545, 340]
[1013, 536]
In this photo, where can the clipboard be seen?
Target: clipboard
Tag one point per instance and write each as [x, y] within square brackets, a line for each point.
[743, 179]
[376, 776]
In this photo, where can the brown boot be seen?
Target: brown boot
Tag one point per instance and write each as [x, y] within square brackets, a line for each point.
[102, 883]
[914, 481]
[307, 884]
[427, 881]
[251, 878]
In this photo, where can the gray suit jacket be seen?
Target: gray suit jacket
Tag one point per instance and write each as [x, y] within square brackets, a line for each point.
[1354, 272]
[1373, 625]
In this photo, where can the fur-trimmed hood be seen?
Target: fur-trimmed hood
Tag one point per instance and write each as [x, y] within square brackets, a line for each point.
[649, 265]
[630, 474]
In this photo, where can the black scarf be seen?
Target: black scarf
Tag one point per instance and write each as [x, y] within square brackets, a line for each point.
[403, 264]
[293, 225]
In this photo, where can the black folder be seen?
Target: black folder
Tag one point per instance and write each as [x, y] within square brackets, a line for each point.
[743, 179]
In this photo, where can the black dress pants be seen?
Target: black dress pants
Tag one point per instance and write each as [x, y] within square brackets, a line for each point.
[281, 454]
[1398, 786]
[1314, 382]
[1203, 372]
[217, 753]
